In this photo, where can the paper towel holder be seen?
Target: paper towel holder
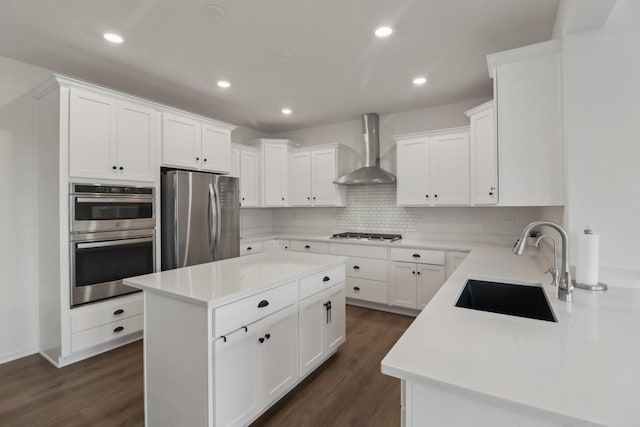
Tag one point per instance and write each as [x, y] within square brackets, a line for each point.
[599, 287]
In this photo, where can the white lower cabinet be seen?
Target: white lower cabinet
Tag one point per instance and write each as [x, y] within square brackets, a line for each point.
[413, 285]
[259, 362]
[322, 326]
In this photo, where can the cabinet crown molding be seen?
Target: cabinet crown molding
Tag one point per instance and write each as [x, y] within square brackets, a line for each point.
[521, 53]
[59, 80]
[479, 108]
[431, 133]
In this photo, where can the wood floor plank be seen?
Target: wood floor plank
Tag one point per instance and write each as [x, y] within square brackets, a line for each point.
[107, 390]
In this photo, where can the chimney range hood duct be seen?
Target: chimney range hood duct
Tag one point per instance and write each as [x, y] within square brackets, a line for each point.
[371, 173]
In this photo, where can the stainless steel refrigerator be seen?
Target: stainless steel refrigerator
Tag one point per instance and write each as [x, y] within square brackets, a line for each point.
[200, 218]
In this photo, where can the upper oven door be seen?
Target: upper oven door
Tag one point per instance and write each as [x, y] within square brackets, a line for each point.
[91, 213]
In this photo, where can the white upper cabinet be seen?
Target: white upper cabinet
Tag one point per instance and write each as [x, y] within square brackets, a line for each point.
[188, 142]
[483, 148]
[110, 138]
[181, 141]
[433, 168]
[528, 96]
[275, 159]
[235, 162]
[249, 173]
[300, 182]
[450, 169]
[312, 172]
[136, 141]
[216, 149]
[413, 185]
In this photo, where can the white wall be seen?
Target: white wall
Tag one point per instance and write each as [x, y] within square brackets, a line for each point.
[18, 280]
[602, 113]
[350, 132]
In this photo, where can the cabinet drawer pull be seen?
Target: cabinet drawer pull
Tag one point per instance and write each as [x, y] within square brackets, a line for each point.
[307, 247]
[118, 329]
[326, 278]
[224, 339]
[416, 255]
[263, 303]
[356, 267]
[357, 289]
[249, 248]
[245, 329]
[118, 311]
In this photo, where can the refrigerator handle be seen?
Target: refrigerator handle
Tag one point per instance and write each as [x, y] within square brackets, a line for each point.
[212, 212]
[218, 203]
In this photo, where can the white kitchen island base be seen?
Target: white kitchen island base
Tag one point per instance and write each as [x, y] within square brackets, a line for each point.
[226, 340]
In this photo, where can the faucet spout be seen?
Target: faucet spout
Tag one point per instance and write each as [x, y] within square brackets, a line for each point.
[565, 287]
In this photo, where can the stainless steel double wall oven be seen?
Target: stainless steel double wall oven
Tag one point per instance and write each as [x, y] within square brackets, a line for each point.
[112, 237]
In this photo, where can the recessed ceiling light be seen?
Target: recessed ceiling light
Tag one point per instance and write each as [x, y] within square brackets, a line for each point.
[213, 11]
[223, 84]
[383, 31]
[286, 111]
[113, 38]
[419, 81]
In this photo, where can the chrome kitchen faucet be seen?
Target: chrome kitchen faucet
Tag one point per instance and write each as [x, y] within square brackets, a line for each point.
[565, 287]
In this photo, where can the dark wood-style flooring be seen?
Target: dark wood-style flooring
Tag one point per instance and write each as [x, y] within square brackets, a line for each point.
[107, 390]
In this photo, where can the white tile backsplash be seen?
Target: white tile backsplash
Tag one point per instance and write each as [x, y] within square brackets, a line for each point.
[373, 208]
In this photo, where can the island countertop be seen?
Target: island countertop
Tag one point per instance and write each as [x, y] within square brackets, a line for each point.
[582, 370]
[220, 282]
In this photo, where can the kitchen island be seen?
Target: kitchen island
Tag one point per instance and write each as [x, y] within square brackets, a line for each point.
[223, 341]
[467, 367]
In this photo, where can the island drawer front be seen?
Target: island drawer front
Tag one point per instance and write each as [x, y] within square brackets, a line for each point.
[367, 290]
[367, 268]
[422, 256]
[251, 248]
[318, 282]
[94, 315]
[241, 313]
[101, 334]
[305, 246]
[362, 251]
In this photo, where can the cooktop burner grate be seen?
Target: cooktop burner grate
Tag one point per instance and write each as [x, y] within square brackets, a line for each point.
[367, 236]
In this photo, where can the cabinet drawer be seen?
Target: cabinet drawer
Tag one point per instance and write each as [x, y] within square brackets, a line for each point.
[361, 251]
[367, 268]
[313, 247]
[237, 314]
[101, 334]
[102, 313]
[317, 282]
[251, 248]
[367, 290]
[422, 256]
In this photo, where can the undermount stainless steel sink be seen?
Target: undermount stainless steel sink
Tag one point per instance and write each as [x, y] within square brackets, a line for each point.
[506, 298]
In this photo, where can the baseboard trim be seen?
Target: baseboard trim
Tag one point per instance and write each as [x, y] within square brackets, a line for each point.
[383, 307]
[14, 355]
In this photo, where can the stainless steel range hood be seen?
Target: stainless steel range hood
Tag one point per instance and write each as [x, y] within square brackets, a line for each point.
[371, 173]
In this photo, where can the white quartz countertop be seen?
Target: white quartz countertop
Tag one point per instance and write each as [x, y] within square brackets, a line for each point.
[216, 283]
[582, 370]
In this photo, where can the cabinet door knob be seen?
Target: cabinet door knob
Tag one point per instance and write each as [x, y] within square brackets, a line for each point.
[118, 311]
[356, 267]
[314, 198]
[114, 167]
[416, 255]
[261, 340]
[204, 160]
[267, 336]
[435, 195]
[249, 248]
[243, 198]
[263, 303]
[197, 159]
[308, 198]
[286, 247]
[357, 289]
[121, 168]
[118, 329]
[283, 198]
[326, 279]
[418, 273]
[413, 272]
[307, 247]
[491, 193]
[427, 196]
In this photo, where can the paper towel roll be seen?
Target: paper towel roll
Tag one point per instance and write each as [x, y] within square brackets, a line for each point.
[587, 262]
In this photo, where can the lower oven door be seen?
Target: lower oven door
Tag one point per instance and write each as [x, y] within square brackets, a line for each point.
[99, 262]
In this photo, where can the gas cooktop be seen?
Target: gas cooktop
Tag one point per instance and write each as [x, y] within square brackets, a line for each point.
[356, 235]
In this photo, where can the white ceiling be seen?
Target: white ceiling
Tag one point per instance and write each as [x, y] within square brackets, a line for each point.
[318, 57]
